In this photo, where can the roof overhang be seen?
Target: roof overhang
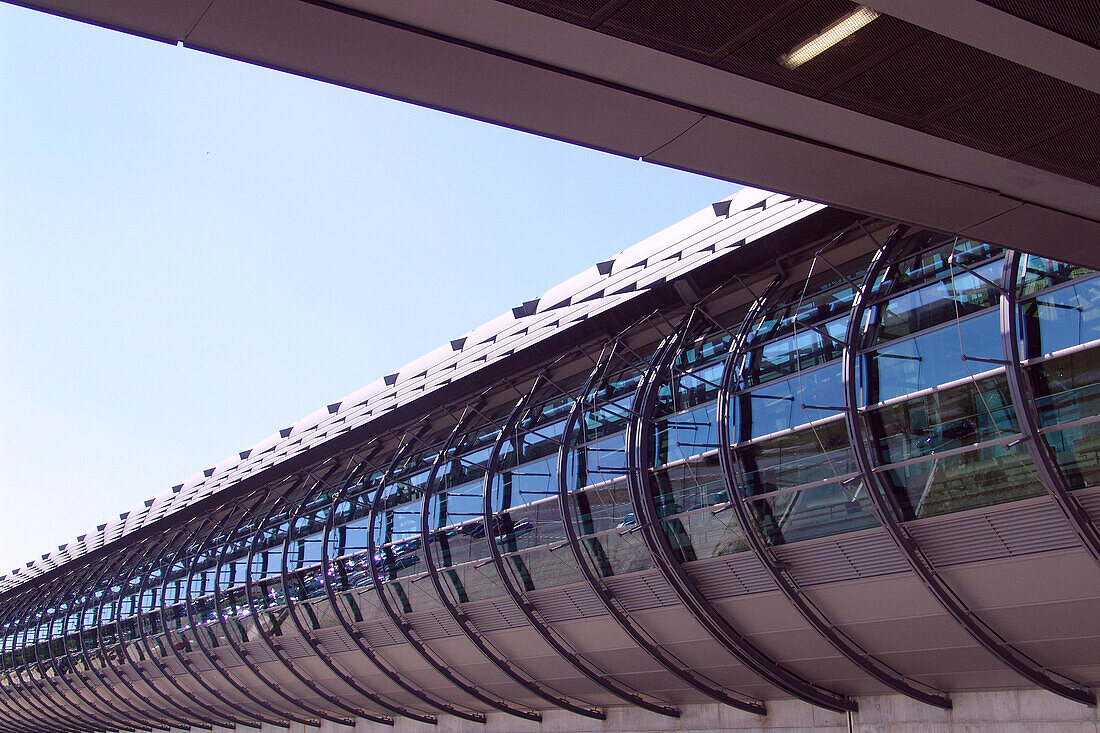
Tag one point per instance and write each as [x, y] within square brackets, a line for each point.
[527, 70]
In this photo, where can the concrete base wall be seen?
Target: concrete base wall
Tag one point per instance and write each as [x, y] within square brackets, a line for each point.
[1020, 711]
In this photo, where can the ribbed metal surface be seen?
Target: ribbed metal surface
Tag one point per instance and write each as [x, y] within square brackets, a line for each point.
[733, 575]
[1078, 19]
[495, 615]
[334, 640]
[1018, 530]
[434, 625]
[567, 604]
[380, 633]
[642, 591]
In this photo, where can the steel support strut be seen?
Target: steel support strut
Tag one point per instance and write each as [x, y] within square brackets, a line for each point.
[219, 718]
[469, 629]
[1023, 403]
[405, 628]
[640, 482]
[889, 514]
[614, 608]
[274, 685]
[326, 562]
[359, 638]
[780, 574]
[182, 718]
[524, 604]
[179, 557]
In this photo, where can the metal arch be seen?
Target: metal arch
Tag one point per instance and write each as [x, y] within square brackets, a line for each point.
[243, 654]
[359, 638]
[95, 714]
[1023, 403]
[48, 707]
[468, 627]
[330, 593]
[404, 626]
[220, 718]
[249, 717]
[45, 710]
[10, 716]
[779, 572]
[182, 716]
[121, 716]
[607, 598]
[59, 703]
[649, 520]
[120, 578]
[204, 545]
[276, 648]
[534, 617]
[67, 589]
[889, 513]
[40, 715]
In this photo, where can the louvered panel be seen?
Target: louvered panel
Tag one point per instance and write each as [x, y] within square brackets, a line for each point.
[566, 604]
[381, 633]
[872, 554]
[295, 647]
[1033, 528]
[818, 563]
[959, 539]
[334, 640]
[733, 575]
[639, 592]
[198, 662]
[258, 652]
[1090, 500]
[434, 624]
[495, 615]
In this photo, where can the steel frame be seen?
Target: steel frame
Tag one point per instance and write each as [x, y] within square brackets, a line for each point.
[403, 626]
[293, 516]
[274, 685]
[649, 520]
[220, 718]
[750, 530]
[359, 637]
[469, 629]
[889, 514]
[1023, 403]
[207, 545]
[614, 608]
[524, 604]
[178, 557]
[182, 716]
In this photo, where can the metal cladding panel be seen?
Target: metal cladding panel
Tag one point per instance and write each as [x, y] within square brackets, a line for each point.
[434, 624]
[732, 575]
[567, 604]
[334, 640]
[641, 591]
[381, 633]
[495, 615]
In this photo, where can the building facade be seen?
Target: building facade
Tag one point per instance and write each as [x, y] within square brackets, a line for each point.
[778, 457]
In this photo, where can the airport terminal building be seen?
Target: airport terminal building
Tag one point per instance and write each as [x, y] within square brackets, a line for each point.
[779, 466]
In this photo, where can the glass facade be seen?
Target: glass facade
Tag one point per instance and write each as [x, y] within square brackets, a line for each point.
[733, 419]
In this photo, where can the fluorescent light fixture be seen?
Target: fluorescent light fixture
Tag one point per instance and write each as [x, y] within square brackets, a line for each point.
[829, 37]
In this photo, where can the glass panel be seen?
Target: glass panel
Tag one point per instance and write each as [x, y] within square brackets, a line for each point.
[954, 482]
[1062, 318]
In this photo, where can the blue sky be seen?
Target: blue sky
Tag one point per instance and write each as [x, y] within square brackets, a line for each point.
[195, 252]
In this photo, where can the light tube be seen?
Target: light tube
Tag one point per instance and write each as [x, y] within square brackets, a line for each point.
[829, 37]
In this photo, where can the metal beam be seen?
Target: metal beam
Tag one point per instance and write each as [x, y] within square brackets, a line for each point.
[750, 529]
[889, 515]
[691, 598]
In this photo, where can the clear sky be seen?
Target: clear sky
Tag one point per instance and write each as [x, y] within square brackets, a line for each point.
[195, 252]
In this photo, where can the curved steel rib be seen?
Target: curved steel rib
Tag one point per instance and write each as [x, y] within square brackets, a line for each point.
[243, 653]
[1023, 403]
[649, 520]
[778, 571]
[319, 650]
[469, 629]
[607, 598]
[525, 606]
[889, 513]
[406, 629]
